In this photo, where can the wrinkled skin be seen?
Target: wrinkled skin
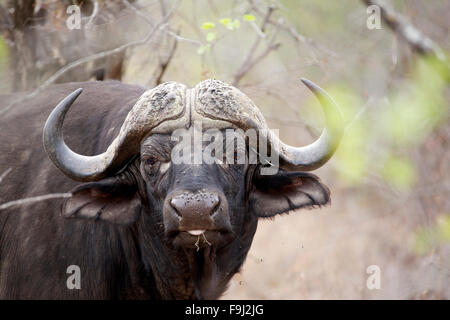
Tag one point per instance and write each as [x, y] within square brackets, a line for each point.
[128, 232]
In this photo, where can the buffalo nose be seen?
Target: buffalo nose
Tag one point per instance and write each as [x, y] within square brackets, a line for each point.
[196, 205]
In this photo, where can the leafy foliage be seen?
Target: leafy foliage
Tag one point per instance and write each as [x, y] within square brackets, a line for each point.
[417, 107]
[426, 239]
[4, 53]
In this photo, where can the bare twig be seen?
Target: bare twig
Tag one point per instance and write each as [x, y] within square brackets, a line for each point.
[361, 111]
[287, 27]
[163, 7]
[165, 64]
[250, 61]
[4, 174]
[165, 30]
[96, 56]
[257, 29]
[312, 131]
[410, 34]
[179, 38]
[31, 200]
[247, 67]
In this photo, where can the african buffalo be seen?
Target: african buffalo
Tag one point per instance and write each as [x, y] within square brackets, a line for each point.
[140, 226]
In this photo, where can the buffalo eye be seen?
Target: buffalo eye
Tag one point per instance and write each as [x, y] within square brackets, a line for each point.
[151, 165]
[150, 161]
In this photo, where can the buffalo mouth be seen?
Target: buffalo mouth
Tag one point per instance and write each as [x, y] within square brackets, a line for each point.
[200, 238]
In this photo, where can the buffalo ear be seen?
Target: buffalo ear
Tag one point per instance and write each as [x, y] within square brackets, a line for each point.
[286, 191]
[113, 199]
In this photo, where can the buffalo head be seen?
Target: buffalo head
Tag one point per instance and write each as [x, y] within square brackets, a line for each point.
[192, 206]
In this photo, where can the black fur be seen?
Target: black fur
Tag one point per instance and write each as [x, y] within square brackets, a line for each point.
[120, 245]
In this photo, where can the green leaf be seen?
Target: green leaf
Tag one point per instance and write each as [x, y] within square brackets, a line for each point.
[443, 228]
[249, 17]
[4, 54]
[225, 21]
[400, 172]
[427, 238]
[208, 25]
[4, 50]
[419, 107]
[424, 241]
[210, 37]
[229, 24]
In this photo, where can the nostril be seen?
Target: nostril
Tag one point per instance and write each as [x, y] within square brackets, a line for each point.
[196, 204]
[214, 203]
[176, 204]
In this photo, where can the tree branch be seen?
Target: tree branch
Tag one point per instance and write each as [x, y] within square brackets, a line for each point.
[165, 64]
[170, 33]
[4, 174]
[96, 56]
[250, 61]
[31, 200]
[407, 32]
[285, 26]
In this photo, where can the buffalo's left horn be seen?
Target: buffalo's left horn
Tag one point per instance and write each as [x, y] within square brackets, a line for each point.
[316, 154]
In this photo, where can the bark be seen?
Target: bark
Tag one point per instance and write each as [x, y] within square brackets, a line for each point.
[41, 44]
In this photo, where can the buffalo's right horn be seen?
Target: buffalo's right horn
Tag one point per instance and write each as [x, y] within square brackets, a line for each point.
[74, 165]
[152, 108]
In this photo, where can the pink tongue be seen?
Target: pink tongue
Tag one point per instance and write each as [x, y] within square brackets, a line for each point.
[196, 232]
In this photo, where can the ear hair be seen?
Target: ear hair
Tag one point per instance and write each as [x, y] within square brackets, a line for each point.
[115, 200]
[286, 191]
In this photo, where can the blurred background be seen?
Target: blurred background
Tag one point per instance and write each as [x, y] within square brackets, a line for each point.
[386, 66]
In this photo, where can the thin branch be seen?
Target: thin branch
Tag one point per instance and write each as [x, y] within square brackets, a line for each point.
[170, 33]
[31, 200]
[300, 38]
[257, 29]
[90, 58]
[361, 111]
[247, 67]
[285, 26]
[312, 131]
[258, 39]
[179, 38]
[410, 34]
[96, 56]
[163, 7]
[4, 174]
[250, 61]
[166, 63]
